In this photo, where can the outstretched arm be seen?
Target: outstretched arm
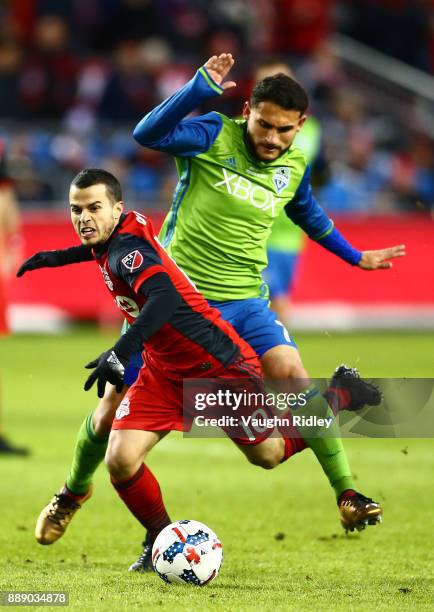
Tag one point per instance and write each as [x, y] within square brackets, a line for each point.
[56, 259]
[165, 128]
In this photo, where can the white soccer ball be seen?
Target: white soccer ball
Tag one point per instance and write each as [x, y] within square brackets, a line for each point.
[187, 552]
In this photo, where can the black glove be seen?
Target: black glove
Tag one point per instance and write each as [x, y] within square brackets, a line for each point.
[108, 368]
[43, 259]
[55, 259]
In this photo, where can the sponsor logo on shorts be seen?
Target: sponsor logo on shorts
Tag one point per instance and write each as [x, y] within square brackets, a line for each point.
[124, 409]
[133, 260]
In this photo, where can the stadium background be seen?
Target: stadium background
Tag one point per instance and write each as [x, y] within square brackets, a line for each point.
[74, 79]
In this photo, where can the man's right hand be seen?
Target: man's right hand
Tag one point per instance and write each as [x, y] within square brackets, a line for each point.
[218, 68]
[43, 259]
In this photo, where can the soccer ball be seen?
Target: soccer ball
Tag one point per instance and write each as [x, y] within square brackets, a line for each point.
[187, 552]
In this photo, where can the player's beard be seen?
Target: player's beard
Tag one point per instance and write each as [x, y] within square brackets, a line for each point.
[253, 149]
[102, 234]
[107, 232]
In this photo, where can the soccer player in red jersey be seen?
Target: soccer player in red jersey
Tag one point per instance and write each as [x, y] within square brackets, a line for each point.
[183, 337]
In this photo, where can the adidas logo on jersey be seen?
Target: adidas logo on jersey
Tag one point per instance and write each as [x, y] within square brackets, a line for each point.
[106, 278]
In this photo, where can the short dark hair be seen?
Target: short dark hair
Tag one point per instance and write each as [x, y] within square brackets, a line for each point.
[281, 90]
[95, 176]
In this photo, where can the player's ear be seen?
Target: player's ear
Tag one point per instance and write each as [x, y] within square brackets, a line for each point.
[301, 122]
[118, 209]
[246, 110]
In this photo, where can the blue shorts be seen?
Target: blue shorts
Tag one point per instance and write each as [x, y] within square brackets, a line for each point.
[254, 321]
[280, 272]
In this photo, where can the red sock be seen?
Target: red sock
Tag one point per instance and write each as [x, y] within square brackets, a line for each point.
[293, 446]
[142, 495]
[338, 399]
[294, 443]
[74, 496]
[347, 494]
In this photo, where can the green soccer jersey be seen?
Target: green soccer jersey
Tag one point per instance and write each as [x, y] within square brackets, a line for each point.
[224, 206]
[226, 200]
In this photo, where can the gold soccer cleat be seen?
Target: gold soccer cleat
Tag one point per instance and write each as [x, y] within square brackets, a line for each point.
[357, 511]
[55, 518]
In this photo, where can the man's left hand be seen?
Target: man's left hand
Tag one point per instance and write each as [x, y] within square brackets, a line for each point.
[379, 260]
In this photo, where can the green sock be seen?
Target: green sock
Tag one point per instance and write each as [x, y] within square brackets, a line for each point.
[88, 453]
[328, 448]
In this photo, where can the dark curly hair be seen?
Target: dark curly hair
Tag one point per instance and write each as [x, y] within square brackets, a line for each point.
[281, 90]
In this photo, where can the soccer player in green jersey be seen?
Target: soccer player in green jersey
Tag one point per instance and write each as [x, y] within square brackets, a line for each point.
[235, 177]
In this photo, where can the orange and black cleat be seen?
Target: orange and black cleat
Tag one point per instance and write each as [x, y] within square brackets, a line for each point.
[358, 511]
[55, 518]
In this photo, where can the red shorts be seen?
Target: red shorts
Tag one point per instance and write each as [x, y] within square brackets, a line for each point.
[155, 402]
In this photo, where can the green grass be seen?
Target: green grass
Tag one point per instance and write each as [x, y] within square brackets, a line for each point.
[315, 566]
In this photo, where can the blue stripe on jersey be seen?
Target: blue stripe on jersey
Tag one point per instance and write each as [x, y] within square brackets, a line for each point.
[181, 190]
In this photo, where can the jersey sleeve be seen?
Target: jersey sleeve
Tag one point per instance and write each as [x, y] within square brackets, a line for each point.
[162, 300]
[134, 260]
[166, 129]
[305, 211]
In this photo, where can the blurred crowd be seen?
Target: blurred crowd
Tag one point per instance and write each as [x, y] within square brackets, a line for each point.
[76, 76]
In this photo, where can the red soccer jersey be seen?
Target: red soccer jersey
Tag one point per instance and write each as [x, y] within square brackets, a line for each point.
[196, 341]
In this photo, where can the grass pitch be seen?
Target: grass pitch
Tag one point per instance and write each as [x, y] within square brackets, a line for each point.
[283, 546]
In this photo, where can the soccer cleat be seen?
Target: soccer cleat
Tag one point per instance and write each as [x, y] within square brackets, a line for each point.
[357, 511]
[353, 391]
[55, 518]
[144, 562]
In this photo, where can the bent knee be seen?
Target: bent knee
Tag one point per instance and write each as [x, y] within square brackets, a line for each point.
[283, 365]
[286, 368]
[266, 462]
[119, 464]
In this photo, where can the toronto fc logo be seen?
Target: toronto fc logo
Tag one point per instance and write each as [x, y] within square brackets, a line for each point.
[124, 409]
[133, 260]
[127, 305]
[281, 178]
